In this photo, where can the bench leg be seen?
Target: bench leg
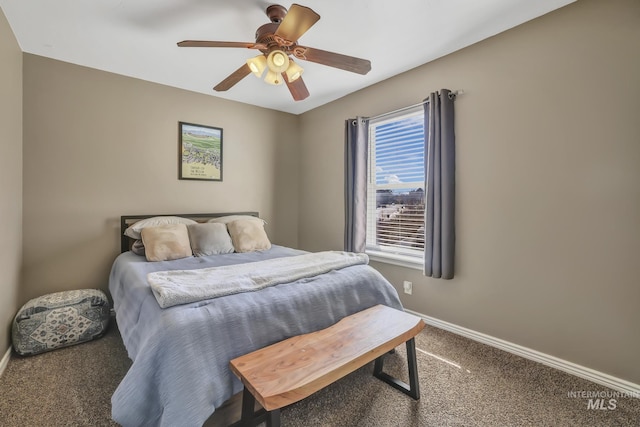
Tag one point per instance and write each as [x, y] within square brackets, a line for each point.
[413, 389]
[273, 418]
[248, 411]
[251, 418]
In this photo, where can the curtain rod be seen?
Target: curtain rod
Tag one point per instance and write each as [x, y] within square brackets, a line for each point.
[452, 96]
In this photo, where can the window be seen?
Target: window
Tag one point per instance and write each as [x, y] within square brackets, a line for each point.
[395, 189]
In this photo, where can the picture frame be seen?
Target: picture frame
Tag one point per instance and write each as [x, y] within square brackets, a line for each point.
[199, 152]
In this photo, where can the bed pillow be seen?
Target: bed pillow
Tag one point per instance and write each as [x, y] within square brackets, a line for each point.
[138, 247]
[134, 230]
[209, 239]
[248, 235]
[229, 218]
[166, 242]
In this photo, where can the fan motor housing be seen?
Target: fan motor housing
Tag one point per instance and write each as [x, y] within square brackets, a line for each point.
[276, 13]
[265, 36]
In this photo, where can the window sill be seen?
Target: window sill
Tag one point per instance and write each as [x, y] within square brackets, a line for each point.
[395, 259]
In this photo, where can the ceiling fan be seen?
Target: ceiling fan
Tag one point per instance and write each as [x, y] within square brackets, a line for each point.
[277, 42]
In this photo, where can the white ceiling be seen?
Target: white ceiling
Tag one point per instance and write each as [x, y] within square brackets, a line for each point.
[138, 39]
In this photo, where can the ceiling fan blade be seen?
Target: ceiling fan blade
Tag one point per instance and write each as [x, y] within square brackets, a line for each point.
[205, 43]
[297, 88]
[344, 62]
[296, 22]
[233, 78]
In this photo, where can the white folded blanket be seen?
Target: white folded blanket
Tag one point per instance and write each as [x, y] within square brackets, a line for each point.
[185, 286]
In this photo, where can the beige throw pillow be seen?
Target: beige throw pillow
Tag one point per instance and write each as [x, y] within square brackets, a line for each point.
[166, 242]
[248, 235]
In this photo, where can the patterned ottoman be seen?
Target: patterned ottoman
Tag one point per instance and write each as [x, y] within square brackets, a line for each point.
[59, 320]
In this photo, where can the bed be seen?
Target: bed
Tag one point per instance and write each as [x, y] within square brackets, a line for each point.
[180, 372]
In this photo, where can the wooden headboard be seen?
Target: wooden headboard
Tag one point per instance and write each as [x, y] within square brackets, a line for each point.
[128, 220]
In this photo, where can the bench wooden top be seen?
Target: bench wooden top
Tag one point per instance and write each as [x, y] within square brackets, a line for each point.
[289, 371]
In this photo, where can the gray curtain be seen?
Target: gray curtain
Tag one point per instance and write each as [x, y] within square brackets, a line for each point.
[440, 159]
[356, 148]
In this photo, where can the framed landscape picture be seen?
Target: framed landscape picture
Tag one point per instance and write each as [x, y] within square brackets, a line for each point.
[199, 152]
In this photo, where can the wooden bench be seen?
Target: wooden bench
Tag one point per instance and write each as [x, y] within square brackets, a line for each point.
[289, 371]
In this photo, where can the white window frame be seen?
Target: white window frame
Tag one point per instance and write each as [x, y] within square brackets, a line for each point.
[405, 257]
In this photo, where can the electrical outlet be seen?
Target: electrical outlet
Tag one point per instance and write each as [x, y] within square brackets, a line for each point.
[408, 287]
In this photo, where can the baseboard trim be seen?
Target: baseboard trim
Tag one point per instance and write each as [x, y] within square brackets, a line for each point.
[546, 359]
[5, 361]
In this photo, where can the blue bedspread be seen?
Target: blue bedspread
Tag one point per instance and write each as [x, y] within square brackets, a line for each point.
[180, 371]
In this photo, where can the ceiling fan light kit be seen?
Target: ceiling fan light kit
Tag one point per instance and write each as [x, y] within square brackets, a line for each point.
[277, 61]
[257, 64]
[294, 71]
[273, 78]
[277, 41]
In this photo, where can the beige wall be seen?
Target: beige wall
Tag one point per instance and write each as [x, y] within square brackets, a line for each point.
[10, 177]
[548, 184]
[99, 145]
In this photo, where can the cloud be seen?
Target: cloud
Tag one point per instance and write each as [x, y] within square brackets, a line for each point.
[392, 179]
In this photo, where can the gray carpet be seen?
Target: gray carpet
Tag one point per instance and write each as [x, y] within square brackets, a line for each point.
[463, 383]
